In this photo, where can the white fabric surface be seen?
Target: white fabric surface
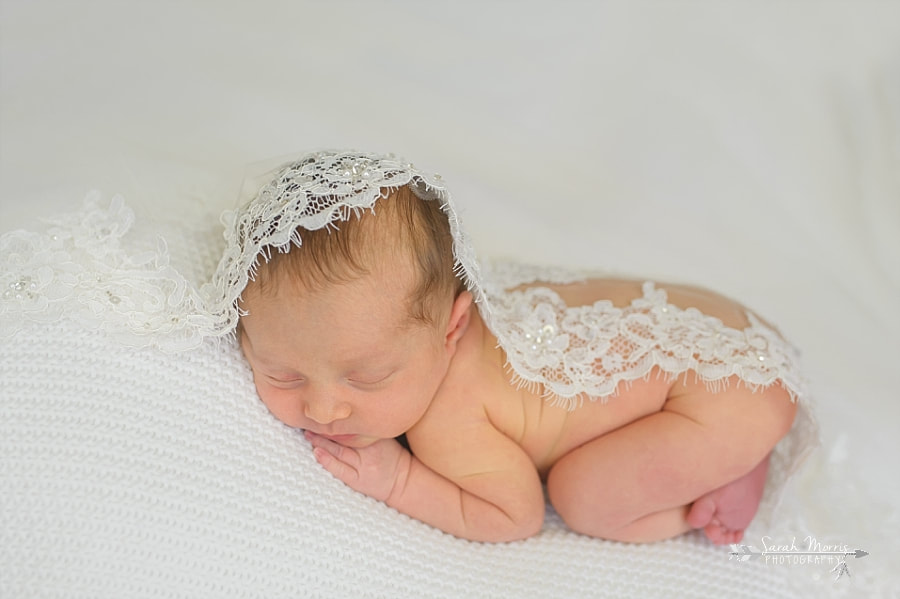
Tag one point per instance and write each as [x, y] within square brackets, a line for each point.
[160, 475]
[751, 148]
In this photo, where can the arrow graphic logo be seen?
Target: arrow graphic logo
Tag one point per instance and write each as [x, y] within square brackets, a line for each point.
[745, 553]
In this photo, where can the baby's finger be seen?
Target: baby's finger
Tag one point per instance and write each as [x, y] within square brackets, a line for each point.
[338, 469]
[340, 461]
[319, 441]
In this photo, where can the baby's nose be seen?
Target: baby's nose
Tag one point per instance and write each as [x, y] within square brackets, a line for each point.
[325, 410]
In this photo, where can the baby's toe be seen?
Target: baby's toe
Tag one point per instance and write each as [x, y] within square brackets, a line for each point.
[701, 512]
[721, 535]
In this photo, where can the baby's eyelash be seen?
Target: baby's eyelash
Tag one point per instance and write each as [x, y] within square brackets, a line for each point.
[276, 379]
[361, 381]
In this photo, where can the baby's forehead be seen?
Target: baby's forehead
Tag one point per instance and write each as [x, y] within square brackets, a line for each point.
[380, 271]
[376, 304]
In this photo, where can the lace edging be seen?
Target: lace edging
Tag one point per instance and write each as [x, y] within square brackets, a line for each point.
[316, 191]
[79, 268]
[586, 352]
[85, 265]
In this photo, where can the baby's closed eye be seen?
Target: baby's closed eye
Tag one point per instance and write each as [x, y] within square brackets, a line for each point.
[370, 378]
[284, 380]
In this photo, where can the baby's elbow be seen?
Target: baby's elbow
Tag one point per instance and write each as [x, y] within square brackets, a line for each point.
[523, 525]
[534, 525]
[514, 531]
[502, 524]
[530, 525]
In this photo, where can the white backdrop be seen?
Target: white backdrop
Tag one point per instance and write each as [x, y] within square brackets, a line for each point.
[749, 147]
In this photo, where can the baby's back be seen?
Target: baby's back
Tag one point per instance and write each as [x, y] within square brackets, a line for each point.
[622, 292]
[546, 430]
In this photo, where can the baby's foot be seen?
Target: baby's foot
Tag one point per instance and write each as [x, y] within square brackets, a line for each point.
[724, 513]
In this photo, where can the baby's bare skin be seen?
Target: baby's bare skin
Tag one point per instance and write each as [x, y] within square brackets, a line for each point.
[643, 487]
[629, 469]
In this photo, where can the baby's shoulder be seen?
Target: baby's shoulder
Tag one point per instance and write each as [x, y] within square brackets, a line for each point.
[475, 385]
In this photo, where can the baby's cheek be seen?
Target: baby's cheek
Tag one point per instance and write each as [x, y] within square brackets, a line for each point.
[280, 405]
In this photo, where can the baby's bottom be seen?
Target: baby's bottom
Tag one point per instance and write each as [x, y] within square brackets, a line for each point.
[700, 462]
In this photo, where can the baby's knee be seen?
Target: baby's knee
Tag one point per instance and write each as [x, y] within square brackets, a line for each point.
[749, 419]
[774, 415]
[765, 422]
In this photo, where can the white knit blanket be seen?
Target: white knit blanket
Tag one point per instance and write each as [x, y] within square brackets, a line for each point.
[132, 472]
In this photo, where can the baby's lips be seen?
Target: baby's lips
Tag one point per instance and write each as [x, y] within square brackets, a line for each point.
[339, 439]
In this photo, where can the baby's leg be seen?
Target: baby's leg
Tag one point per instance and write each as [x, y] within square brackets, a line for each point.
[638, 483]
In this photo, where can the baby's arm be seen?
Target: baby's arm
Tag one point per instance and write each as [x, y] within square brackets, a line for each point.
[476, 484]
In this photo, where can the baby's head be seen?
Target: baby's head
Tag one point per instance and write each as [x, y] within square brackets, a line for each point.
[402, 236]
[371, 307]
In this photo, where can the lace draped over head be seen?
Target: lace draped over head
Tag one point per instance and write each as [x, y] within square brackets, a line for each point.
[102, 267]
[319, 190]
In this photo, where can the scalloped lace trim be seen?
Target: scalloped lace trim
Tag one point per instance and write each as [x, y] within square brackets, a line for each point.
[319, 190]
[85, 265]
[582, 352]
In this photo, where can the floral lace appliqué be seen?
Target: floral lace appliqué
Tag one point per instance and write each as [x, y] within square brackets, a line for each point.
[586, 351]
[79, 269]
[319, 190]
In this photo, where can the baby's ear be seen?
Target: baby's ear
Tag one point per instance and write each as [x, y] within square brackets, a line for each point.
[459, 318]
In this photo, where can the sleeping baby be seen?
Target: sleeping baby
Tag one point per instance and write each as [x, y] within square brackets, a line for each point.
[644, 409]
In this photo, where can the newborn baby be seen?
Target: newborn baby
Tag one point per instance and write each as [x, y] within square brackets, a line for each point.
[364, 317]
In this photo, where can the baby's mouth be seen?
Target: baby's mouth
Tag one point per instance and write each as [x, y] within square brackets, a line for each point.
[340, 439]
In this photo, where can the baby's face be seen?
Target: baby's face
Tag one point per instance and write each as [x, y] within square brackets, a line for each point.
[345, 361]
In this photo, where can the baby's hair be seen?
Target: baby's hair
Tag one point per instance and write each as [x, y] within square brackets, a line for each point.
[400, 225]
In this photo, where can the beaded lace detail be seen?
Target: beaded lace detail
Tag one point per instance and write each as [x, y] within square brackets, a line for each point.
[578, 352]
[88, 265]
[80, 268]
[319, 190]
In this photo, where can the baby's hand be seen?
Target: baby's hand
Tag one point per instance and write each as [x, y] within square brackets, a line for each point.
[377, 470]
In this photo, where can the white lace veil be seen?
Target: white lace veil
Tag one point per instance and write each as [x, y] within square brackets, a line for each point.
[148, 286]
[319, 190]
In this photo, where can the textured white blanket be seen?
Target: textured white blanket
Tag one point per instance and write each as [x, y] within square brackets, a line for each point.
[136, 472]
[131, 473]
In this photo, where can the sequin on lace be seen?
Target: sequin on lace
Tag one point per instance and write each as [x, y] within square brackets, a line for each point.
[316, 191]
[573, 353]
[79, 269]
